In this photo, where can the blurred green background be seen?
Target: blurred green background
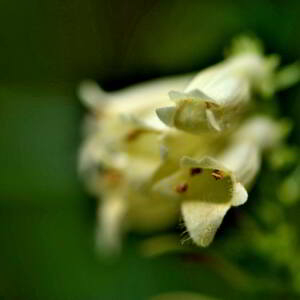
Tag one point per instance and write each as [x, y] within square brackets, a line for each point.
[46, 49]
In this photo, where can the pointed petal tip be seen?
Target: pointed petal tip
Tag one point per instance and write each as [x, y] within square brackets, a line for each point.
[192, 94]
[202, 220]
[91, 93]
[166, 114]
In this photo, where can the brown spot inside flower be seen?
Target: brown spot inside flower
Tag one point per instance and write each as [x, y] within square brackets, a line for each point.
[112, 176]
[218, 174]
[195, 171]
[133, 134]
[181, 188]
[209, 105]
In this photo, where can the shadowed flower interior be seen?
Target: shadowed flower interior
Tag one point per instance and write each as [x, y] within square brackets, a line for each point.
[208, 185]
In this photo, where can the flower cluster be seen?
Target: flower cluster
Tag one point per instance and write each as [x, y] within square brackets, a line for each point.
[150, 162]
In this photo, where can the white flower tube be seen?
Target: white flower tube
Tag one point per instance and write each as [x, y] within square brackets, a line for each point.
[216, 96]
[121, 152]
[123, 124]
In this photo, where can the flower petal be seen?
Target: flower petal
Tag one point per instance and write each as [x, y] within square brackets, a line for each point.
[202, 219]
[239, 195]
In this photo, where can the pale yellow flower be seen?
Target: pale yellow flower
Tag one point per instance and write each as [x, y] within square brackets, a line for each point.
[148, 163]
[208, 186]
[217, 95]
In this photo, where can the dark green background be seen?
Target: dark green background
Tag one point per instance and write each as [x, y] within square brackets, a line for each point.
[46, 48]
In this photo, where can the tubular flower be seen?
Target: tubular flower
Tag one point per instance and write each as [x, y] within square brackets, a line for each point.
[212, 100]
[147, 164]
[208, 186]
[121, 153]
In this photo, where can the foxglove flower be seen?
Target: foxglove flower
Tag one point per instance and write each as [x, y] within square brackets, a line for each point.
[120, 153]
[148, 163]
[217, 95]
[208, 186]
